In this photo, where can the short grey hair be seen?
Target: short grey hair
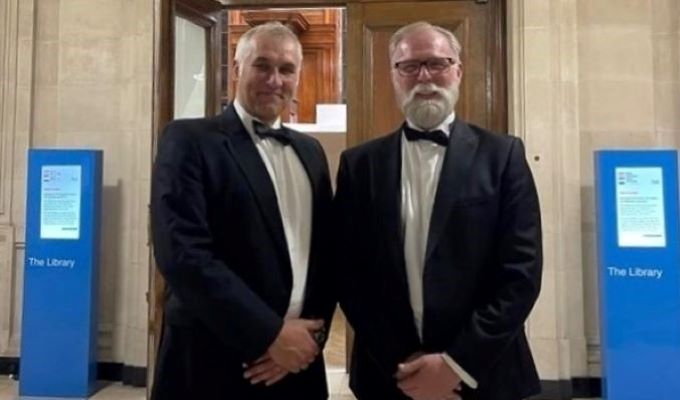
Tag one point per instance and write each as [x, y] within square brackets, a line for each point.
[246, 43]
[419, 26]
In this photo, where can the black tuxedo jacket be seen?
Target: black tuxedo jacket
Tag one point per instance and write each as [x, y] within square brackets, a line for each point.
[482, 268]
[220, 245]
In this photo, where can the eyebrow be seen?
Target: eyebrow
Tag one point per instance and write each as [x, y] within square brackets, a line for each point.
[430, 58]
[265, 59]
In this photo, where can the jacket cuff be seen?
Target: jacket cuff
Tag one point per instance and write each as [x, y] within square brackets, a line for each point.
[464, 376]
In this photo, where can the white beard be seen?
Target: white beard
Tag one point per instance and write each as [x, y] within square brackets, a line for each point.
[429, 113]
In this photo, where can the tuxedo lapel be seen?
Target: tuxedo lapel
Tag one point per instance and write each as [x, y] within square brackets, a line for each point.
[387, 182]
[386, 169]
[456, 167]
[244, 152]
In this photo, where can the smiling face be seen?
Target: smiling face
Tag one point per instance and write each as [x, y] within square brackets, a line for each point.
[267, 78]
[428, 96]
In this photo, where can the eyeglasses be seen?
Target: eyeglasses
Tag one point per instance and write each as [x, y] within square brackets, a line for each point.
[434, 66]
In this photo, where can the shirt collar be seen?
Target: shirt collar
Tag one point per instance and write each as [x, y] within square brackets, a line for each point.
[444, 126]
[248, 119]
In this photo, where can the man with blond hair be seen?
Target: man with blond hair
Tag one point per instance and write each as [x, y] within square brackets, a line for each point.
[444, 221]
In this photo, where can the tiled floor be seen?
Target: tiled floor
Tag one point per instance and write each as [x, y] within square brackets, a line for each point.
[334, 352]
[337, 382]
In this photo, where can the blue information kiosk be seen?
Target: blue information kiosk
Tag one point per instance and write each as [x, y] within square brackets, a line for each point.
[59, 326]
[639, 260]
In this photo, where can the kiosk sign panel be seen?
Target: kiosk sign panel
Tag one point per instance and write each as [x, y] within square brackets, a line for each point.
[639, 260]
[59, 319]
[640, 207]
[60, 202]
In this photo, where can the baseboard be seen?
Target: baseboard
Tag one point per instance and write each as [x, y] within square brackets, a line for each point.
[134, 376]
[587, 387]
[9, 365]
[569, 389]
[107, 371]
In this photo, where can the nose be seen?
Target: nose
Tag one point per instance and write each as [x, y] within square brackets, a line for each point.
[424, 74]
[275, 78]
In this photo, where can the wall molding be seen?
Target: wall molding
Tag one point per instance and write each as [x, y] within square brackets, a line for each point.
[543, 111]
[17, 45]
[6, 285]
[17, 53]
[9, 43]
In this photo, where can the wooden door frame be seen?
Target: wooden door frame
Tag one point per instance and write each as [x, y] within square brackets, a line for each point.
[496, 74]
[193, 10]
[205, 17]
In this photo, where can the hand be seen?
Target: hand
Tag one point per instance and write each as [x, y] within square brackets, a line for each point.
[264, 370]
[428, 377]
[294, 348]
[412, 357]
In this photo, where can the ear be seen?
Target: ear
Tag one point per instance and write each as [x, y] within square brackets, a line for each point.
[235, 70]
[459, 71]
[299, 72]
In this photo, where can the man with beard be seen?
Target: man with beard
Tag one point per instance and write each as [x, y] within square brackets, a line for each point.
[240, 211]
[443, 222]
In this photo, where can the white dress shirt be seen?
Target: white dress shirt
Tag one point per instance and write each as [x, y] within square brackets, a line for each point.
[294, 197]
[421, 165]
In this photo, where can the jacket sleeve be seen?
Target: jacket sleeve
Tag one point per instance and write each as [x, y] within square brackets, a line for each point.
[345, 243]
[514, 282]
[350, 253]
[321, 295]
[183, 246]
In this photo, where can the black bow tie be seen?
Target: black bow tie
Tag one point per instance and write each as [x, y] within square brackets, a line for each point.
[438, 136]
[263, 131]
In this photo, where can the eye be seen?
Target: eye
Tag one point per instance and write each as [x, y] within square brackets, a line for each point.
[287, 69]
[409, 67]
[438, 64]
[262, 67]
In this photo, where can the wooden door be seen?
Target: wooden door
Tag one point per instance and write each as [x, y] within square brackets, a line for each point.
[372, 111]
[201, 15]
[478, 25]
